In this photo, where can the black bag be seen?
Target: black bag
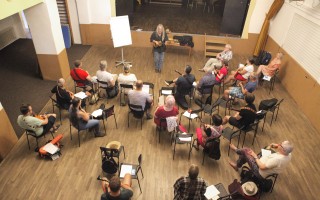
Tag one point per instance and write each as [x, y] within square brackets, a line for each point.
[213, 150]
[265, 185]
[184, 40]
[264, 58]
[109, 165]
[267, 104]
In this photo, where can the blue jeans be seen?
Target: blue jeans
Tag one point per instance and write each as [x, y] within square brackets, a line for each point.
[158, 59]
[92, 124]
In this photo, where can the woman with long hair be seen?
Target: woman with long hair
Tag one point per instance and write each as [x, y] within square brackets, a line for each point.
[82, 120]
[158, 39]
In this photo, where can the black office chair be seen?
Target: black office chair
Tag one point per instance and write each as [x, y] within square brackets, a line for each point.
[55, 104]
[102, 85]
[211, 145]
[229, 134]
[110, 112]
[183, 138]
[135, 169]
[124, 87]
[33, 134]
[112, 153]
[137, 112]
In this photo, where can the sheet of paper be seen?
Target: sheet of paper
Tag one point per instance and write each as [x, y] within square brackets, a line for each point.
[185, 139]
[97, 113]
[125, 169]
[265, 152]
[50, 148]
[194, 84]
[80, 95]
[192, 116]
[267, 78]
[146, 88]
[166, 92]
[212, 192]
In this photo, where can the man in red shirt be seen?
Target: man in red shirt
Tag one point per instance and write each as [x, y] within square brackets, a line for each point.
[78, 74]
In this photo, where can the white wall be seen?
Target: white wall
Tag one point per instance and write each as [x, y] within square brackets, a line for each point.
[74, 21]
[259, 14]
[45, 27]
[280, 24]
[14, 22]
[94, 11]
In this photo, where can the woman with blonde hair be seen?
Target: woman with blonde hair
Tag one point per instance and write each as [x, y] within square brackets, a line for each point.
[274, 65]
[169, 109]
[158, 39]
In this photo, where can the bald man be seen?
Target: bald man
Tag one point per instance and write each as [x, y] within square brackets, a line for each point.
[141, 98]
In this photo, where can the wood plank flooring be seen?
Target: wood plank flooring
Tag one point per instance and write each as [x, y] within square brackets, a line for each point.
[23, 175]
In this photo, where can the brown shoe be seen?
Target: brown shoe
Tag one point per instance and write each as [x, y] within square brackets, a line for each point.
[233, 165]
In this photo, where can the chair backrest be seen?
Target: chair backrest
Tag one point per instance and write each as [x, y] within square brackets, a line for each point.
[183, 135]
[163, 121]
[126, 86]
[151, 85]
[212, 148]
[80, 83]
[109, 111]
[277, 105]
[137, 110]
[140, 159]
[102, 82]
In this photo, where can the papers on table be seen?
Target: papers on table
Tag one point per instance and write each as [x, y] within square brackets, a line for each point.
[166, 92]
[267, 78]
[212, 192]
[145, 88]
[265, 152]
[81, 95]
[191, 116]
[97, 113]
[125, 169]
[51, 148]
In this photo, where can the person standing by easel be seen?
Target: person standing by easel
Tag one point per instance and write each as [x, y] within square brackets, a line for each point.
[158, 39]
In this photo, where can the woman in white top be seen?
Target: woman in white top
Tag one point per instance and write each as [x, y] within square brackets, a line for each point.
[242, 73]
[127, 77]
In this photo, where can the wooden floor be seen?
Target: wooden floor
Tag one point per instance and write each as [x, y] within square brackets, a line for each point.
[23, 175]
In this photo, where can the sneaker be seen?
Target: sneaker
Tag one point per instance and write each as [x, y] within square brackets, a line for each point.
[168, 82]
[149, 116]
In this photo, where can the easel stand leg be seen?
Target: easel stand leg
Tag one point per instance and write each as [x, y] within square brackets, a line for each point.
[123, 61]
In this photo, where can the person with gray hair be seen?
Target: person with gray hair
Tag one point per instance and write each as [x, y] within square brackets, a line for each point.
[159, 38]
[266, 164]
[110, 79]
[63, 96]
[224, 56]
[190, 187]
[127, 78]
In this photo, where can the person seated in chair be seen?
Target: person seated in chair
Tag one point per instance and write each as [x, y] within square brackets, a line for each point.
[64, 96]
[115, 189]
[167, 110]
[79, 74]
[184, 86]
[110, 79]
[209, 131]
[207, 80]
[82, 120]
[242, 73]
[141, 98]
[39, 124]
[221, 73]
[127, 78]
[246, 116]
[241, 91]
[190, 187]
[265, 165]
[272, 67]
[224, 56]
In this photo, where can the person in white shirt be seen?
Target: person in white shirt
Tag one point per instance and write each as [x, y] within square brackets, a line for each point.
[103, 75]
[213, 63]
[266, 164]
[127, 78]
[141, 98]
[242, 73]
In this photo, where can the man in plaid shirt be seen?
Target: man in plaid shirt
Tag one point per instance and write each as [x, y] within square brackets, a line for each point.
[190, 187]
